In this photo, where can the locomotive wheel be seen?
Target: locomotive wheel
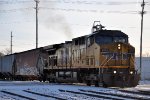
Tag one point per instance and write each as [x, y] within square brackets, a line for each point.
[40, 80]
[44, 79]
[54, 80]
[104, 84]
[97, 84]
[88, 83]
[49, 80]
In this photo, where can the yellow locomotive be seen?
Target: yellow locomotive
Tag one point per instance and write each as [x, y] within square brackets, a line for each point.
[104, 57]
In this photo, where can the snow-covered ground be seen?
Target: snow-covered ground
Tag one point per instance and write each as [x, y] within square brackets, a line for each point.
[53, 90]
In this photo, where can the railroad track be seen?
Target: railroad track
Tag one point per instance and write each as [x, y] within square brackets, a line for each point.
[145, 92]
[44, 95]
[18, 95]
[118, 95]
[93, 95]
[140, 92]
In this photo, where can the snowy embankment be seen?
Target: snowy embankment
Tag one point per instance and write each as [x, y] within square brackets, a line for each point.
[17, 90]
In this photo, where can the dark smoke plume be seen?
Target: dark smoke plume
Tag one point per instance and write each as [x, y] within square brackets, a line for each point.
[54, 20]
[59, 24]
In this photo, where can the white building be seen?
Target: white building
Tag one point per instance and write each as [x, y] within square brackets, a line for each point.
[145, 67]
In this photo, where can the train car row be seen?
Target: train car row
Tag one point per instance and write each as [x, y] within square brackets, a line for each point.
[22, 66]
[103, 57]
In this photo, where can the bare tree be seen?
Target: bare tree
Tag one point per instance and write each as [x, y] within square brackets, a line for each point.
[147, 54]
[6, 51]
[1, 54]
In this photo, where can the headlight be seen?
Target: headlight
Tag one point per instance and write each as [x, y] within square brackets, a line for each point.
[115, 72]
[119, 46]
[131, 72]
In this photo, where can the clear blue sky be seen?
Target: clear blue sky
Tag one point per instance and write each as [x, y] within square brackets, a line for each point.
[61, 20]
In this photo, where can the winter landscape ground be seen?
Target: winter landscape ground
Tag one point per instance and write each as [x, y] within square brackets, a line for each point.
[34, 90]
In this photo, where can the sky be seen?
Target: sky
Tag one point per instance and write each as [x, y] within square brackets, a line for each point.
[62, 20]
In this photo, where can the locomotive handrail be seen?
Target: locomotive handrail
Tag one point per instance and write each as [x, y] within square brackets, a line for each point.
[107, 60]
[105, 63]
[132, 61]
[101, 65]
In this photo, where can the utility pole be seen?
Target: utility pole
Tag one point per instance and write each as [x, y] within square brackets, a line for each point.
[11, 43]
[11, 51]
[142, 13]
[37, 8]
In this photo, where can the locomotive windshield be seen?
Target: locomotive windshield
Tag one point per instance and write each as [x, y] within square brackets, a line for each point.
[120, 39]
[103, 40]
[105, 37]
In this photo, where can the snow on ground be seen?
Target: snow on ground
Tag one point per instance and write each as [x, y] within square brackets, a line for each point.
[44, 88]
[143, 85]
[52, 89]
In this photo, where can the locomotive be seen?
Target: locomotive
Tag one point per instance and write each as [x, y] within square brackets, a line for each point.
[104, 57]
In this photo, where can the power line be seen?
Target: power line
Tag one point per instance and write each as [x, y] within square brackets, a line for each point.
[14, 2]
[14, 10]
[63, 9]
[73, 10]
[85, 2]
[91, 11]
[92, 2]
[3, 45]
[15, 22]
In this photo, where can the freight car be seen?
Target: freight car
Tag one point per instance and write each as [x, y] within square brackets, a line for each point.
[29, 64]
[104, 57]
[7, 67]
[25, 65]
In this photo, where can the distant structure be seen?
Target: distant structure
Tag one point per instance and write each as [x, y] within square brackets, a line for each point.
[145, 67]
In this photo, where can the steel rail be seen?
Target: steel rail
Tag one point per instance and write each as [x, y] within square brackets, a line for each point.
[91, 95]
[44, 95]
[18, 95]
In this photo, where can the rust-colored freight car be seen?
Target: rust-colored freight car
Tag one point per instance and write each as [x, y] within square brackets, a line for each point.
[29, 64]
